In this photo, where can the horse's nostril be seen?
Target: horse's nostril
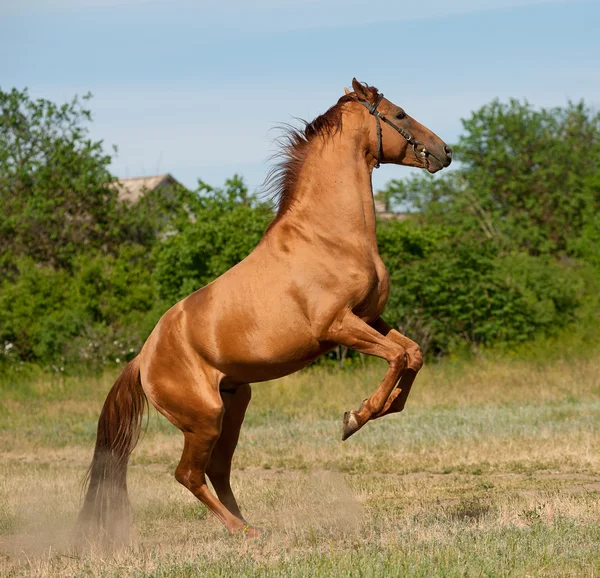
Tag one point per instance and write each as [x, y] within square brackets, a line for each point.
[448, 151]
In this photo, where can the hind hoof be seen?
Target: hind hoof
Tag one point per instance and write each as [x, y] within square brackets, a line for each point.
[350, 425]
[252, 533]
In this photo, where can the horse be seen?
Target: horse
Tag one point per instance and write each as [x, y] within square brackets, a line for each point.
[314, 281]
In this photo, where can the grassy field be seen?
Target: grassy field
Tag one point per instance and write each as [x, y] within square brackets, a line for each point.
[492, 470]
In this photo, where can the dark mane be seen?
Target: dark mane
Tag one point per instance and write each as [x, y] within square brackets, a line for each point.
[294, 142]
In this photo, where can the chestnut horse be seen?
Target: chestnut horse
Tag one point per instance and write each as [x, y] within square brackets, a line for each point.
[314, 281]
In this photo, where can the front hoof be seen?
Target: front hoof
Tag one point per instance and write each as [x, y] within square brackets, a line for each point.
[349, 425]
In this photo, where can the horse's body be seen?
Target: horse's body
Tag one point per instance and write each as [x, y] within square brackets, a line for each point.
[315, 280]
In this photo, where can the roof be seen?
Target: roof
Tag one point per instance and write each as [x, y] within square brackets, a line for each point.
[133, 189]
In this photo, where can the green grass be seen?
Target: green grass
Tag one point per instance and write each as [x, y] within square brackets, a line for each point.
[492, 470]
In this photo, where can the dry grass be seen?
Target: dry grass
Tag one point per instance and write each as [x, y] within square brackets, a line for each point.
[493, 469]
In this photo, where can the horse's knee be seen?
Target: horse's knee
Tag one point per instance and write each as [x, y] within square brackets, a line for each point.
[197, 451]
[187, 477]
[192, 478]
[416, 358]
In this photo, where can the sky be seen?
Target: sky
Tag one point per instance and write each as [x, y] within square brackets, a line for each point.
[197, 88]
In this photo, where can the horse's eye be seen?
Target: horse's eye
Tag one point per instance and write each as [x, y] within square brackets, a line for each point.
[401, 115]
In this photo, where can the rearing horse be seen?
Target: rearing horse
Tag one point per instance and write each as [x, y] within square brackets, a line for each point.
[315, 280]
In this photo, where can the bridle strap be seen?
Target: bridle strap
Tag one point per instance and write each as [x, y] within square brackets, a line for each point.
[372, 108]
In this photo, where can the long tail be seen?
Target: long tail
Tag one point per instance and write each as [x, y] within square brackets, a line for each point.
[106, 511]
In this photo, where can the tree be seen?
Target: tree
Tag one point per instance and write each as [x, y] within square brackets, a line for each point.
[56, 197]
[528, 179]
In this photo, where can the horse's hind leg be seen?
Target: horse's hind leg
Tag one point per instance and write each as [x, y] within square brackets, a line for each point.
[219, 467]
[193, 403]
[191, 472]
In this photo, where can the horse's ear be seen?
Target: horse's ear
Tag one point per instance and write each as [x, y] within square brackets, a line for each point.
[361, 90]
[346, 91]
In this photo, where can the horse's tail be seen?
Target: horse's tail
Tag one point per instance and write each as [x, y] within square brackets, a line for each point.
[106, 511]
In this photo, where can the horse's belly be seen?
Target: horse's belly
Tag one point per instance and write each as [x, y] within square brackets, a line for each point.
[263, 359]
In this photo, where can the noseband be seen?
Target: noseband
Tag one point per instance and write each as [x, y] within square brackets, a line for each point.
[372, 108]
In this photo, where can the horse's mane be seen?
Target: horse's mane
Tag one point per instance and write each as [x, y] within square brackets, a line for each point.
[294, 142]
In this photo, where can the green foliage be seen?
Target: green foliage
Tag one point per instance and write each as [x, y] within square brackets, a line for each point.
[448, 291]
[95, 313]
[55, 188]
[31, 310]
[228, 223]
[528, 179]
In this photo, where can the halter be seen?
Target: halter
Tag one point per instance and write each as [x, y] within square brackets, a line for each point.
[372, 108]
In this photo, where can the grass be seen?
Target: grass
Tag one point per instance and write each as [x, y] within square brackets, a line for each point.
[492, 470]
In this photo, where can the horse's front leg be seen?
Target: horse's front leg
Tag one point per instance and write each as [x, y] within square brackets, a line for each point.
[354, 333]
[397, 400]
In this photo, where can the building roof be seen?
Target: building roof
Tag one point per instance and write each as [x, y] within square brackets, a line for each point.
[133, 189]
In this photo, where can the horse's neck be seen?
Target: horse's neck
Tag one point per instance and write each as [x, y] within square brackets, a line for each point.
[333, 199]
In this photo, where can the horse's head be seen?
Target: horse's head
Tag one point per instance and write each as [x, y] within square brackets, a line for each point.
[395, 137]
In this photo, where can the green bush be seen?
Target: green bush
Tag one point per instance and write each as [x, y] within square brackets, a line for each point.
[96, 313]
[448, 292]
[32, 307]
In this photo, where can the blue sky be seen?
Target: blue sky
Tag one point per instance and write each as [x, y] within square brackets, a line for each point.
[194, 88]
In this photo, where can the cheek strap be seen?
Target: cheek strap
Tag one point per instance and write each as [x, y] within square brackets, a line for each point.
[372, 108]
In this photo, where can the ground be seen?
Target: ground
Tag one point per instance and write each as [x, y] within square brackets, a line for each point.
[493, 469]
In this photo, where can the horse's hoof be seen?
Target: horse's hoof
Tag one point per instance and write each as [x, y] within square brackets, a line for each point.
[349, 425]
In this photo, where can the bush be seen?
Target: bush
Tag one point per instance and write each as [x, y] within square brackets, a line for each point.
[95, 314]
[447, 291]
